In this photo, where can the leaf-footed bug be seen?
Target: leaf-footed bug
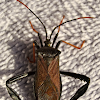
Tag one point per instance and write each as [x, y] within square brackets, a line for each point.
[47, 76]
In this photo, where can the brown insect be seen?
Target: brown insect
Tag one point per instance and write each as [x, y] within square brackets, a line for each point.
[47, 76]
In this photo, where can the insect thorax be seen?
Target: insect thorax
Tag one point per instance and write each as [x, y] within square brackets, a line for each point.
[48, 54]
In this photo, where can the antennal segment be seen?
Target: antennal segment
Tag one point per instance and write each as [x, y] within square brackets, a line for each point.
[66, 22]
[37, 32]
[57, 32]
[36, 17]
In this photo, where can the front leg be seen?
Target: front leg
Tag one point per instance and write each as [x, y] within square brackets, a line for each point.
[12, 92]
[82, 89]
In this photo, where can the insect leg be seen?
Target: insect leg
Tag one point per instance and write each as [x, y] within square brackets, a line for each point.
[57, 32]
[82, 89]
[33, 55]
[37, 46]
[12, 92]
[38, 34]
[57, 45]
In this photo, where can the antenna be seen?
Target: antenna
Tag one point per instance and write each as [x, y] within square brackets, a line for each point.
[66, 22]
[36, 17]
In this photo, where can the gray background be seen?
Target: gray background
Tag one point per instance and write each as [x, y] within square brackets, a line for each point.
[16, 38]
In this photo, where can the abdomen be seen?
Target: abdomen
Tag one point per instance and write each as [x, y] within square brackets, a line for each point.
[47, 80]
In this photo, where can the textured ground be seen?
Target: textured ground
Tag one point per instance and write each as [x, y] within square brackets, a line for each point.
[16, 38]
